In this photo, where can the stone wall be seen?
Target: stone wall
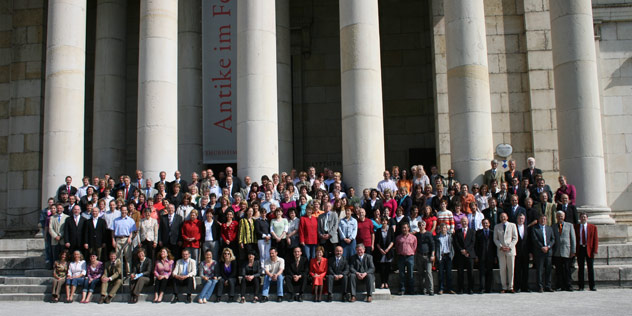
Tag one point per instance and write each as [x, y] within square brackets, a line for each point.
[22, 37]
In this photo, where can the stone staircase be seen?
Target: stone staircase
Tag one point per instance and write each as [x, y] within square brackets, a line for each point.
[24, 277]
[622, 217]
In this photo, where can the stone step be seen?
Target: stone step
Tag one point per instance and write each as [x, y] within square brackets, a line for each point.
[38, 273]
[21, 247]
[24, 280]
[379, 294]
[24, 289]
[22, 263]
[622, 217]
[614, 254]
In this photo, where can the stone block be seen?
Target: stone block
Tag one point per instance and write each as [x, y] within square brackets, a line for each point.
[6, 23]
[15, 180]
[613, 145]
[4, 127]
[28, 88]
[624, 30]
[606, 273]
[537, 21]
[32, 106]
[27, 17]
[500, 123]
[4, 142]
[493, 7]
[517, 102]
[542, 99]
[16, 143]
[516, 120]
[32, 179]
[516, 62]
[28, 4]
[19, 36]
[32, 142]
[25, 125]
[4, 109]
[498, 83]
[24, 161]
[5, 39]
[540, 60]
[33, 70]
[17, 107]
[608, 31]
[5, 56]
[610, 67]
[513, 24]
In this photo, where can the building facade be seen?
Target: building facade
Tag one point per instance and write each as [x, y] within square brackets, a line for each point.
[89, 87]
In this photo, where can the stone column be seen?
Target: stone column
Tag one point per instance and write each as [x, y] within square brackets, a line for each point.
[471, 141]
[64, 97]
[108, 141]
[190, 87]
[284, 86]
[257, 130]
[361, 84]
[157, 147]
[579, 130]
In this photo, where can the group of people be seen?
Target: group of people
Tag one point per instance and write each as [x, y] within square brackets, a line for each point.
[309, 233]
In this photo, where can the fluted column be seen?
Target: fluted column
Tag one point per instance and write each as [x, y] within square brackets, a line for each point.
[579, 130]
[361, 84]
[190, 87]
[257, 130]
[284, 86]
[108, 141]
[157, 147]
[471, 141]
[63, 138]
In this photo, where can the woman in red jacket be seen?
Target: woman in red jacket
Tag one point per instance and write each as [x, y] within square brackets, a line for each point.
[308, 232]
[191, 234]
[318, 270]
[228, 232]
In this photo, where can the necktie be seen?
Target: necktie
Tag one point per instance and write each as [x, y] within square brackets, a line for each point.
[486, 234]
[68, 189]
[583, 235]
[561, 225]
[494, 173]
[126, 192]
[185, 270]
[543, 235]
[504, 226]
[464, 232]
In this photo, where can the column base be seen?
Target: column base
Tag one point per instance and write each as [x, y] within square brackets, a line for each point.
[598, 215]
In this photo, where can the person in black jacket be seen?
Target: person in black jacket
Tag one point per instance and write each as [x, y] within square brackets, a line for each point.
[74, 230]
[338, 272]
[464, 240]
[424, 258]
[169, 234]
[296, 273]
[521, 275]
[383, 254]
[141, 275]
[486, 256]
[226, 275]
[250, 275]
[95, 234]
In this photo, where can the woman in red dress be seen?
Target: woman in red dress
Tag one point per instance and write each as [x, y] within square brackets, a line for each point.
[318, 270]
[228, 232]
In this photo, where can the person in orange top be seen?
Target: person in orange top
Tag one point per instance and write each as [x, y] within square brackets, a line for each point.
[466, 199]
[191, 234]
[404, 181]
[318, 270]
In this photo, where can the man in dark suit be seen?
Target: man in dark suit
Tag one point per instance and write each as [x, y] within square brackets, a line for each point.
[492, 212]
[163, 179]
[66, 187]
[521, 275]
[531, 171]
[540, 187]
[361, 268]
[184, 187]
[543, 241]
[486, 256]
[512, 172]
[141, 275]
[176, 196]
[236, 180]
[570, 210]
[587, 247]
[232, 187]
[95, 234]
[524, 191]
[73, 230]
[296, 273]
[514, 210]
[128, 189]
[169, 231]
[464, 241]
[338, 272]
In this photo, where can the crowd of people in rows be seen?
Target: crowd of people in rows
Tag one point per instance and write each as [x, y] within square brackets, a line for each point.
[308, 232]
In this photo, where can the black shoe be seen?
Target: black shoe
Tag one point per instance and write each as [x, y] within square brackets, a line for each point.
[102, 300]
[548, 290]
[230, 299]
[174, 299]
[279, 299]
[580, 289]
[540, 290]
[594, 289]
[108, 300]
[470, 292]
[218, 299]
[264, 299]
[188, 301]
[328, 299]
[299, 298]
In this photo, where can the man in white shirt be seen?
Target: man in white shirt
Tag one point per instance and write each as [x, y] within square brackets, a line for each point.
[273, 269]
[387, 183]
[184, 273]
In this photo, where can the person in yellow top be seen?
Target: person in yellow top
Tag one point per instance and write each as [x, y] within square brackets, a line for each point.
[247, 237]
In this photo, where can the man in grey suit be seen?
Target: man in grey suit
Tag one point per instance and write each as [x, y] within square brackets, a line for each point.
[338, 271]
[543, 241]
[361, 268]
[328, 229]
[493, 174]
[564, 251]
[148, 189]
